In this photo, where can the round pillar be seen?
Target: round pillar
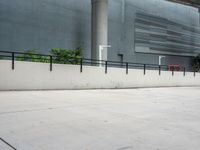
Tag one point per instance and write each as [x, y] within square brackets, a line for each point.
[99, 27]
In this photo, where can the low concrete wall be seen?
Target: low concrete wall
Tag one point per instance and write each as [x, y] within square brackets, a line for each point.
[37, 76]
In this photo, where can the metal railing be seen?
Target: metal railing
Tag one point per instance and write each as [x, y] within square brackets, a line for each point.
[52, 59]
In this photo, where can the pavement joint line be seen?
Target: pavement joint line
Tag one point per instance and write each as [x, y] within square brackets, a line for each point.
[8, 144]
[34, 110]
[31, 110]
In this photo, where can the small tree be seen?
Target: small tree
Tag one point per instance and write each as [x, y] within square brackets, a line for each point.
[196, 63]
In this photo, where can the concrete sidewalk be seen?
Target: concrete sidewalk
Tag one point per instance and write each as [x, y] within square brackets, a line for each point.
[128, 119]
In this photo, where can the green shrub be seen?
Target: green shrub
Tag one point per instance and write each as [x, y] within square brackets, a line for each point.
[61, 56]
[66, 56]
[32, 56]
[196, 63]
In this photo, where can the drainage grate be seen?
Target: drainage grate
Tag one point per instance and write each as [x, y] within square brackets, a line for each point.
[5, 145]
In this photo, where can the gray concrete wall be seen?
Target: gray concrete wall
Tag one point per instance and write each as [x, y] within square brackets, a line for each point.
[122, 15]
[46, 24]
[37, 76]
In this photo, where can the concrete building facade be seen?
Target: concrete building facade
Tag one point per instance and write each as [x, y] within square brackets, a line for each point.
[138, 31]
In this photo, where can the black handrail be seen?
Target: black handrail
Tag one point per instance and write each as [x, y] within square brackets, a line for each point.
[82, 61]
[24, 53]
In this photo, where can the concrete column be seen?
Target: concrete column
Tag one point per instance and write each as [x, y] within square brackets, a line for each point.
[199, 17]
[99, 27]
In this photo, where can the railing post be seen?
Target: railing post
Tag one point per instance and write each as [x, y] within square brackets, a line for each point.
[51, 61]
[106, 67]
[81, 65]
[184, 71]
[13, 60]
[126, 68]
[173, 71]
[159, 70]
[144, 69]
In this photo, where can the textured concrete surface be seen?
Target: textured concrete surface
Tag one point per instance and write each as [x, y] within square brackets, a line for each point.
[46, 24]
[130, 119]
[37, 76]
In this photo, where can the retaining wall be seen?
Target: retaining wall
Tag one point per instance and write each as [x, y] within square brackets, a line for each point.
[37, 76]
